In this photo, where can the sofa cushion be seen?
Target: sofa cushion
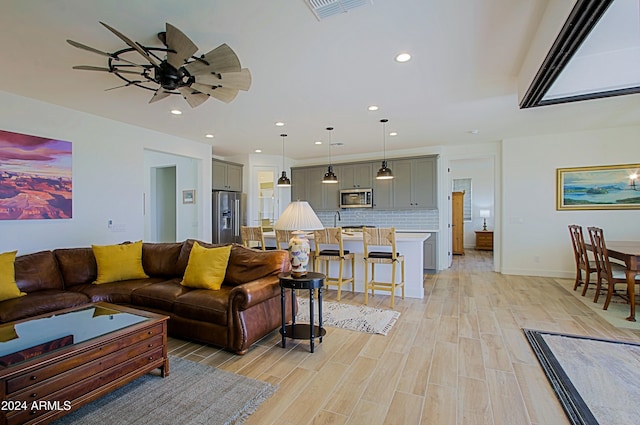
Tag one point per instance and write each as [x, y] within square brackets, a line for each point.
[115, 292]
[39, 302]
[247, 264]
[77, 265]
[183, 258]
[161, 259]
[206, 267]
[119, 262]
[37, 272]
[8, 287]
[204, 305]
[159, 295]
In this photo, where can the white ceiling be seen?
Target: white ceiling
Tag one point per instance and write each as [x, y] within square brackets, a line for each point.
[308, 73]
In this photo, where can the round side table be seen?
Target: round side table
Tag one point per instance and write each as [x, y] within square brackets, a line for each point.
[311, 281]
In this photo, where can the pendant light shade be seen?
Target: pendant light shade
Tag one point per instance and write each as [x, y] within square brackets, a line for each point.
[283, 181]
[384, 173]
[329, 176]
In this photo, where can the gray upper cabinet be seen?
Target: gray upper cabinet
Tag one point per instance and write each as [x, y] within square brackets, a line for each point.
[226, 176]
[306, 185]
[415, 183]
[358, 175]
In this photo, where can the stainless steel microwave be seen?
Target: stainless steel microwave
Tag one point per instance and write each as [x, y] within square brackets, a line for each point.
[356, 198]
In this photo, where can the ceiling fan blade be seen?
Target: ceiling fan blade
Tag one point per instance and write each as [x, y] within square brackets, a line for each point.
[221, 93]
[193, 97]
[159, 95]
[124, 85]
[231, 80]
[88, 48]
[99, 68]
[132, 44]
[181, 44]
[100, 52]
[220, 59]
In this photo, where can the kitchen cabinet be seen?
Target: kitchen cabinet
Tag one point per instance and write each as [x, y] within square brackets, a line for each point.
[354, 176]
[226, 176]
[306, 185]
[413, 187]
[415, 183]
[430, 249]
[457, 223]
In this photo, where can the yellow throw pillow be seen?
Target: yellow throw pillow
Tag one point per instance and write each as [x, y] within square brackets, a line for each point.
[8, 287]
[119, 262]
[206, 267]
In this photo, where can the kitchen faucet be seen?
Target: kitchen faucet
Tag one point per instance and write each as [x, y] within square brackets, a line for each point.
[337, 214]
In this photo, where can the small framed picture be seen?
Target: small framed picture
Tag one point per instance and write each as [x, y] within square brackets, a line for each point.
[189, 196]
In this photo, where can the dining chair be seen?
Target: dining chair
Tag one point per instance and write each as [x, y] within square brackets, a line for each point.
[381, 237]
[580, 254]
[611, 273]
[330, 247]
[253, 235]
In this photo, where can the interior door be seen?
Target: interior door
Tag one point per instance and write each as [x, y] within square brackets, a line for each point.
[457, 223]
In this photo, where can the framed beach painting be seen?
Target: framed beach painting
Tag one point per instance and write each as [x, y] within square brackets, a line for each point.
[608, 187]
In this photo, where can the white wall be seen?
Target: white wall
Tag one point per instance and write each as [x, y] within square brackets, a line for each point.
[535, 238]
[187, 173]
[108, 176]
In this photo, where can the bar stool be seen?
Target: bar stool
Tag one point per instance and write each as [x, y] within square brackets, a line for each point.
[253, 234]
[381, 237]
[332, 236]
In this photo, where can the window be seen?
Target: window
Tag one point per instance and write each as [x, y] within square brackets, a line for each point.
[464, 185]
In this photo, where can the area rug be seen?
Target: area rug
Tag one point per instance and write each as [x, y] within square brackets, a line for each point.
[616, 313]
[596, 380]
[347, 316]
[192, 394]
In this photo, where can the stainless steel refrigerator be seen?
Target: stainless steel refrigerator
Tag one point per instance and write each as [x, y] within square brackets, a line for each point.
[228, 216]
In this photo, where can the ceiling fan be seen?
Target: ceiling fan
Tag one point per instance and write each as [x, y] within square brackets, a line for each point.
[174, 69]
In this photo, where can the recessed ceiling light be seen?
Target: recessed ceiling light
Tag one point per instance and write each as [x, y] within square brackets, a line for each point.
[318, 142]
[279, 124]
[474, 132]
[176, 112]
[209, 136]
[373, 108]
[258, 151]
[393, 133]
[403, 57]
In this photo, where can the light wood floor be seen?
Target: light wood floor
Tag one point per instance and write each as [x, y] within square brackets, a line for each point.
[458, 356]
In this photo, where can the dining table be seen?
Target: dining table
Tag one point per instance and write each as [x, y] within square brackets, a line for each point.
[629, 253]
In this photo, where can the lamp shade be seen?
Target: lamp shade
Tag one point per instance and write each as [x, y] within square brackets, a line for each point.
[299, 216]
[485, 213]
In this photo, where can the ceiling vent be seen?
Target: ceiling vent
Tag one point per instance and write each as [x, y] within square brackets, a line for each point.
[325, 8]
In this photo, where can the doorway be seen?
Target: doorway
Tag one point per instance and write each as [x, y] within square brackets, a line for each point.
[163, 204]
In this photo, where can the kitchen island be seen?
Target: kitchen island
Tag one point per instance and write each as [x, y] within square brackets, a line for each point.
[408, 244]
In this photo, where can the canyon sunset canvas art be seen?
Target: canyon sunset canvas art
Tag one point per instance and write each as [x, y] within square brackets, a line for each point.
[35, 177]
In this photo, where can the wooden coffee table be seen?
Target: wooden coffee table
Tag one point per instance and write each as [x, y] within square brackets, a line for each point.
[54, 363]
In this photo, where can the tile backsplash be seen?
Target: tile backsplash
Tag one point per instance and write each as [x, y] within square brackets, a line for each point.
[400, 219]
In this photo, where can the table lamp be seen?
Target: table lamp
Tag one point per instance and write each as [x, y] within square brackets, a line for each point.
[485, 214]
[299, 217]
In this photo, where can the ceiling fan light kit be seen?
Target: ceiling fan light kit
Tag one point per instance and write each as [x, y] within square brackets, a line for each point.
[216, 74]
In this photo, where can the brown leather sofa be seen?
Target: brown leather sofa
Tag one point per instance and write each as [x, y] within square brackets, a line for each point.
[245, 309]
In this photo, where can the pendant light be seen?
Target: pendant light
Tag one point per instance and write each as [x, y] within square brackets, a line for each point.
[384, 173]
[283, 181]
[329, 176]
